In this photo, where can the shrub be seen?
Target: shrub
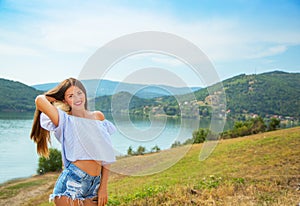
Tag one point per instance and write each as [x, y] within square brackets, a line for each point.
[274, 124]
[200, 135]
[155, 149]
[248, 127]
[176, 144]
[130, 151]
[141, 150]
[51, 164]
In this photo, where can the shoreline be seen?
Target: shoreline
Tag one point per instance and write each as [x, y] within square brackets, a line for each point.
[17, 179]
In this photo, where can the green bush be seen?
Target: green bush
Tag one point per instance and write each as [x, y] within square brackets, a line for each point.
[130, 151]
[200, 135]
[141, 150]
[155, 149]
[274, 124]
[242, 128]
[51, 164]
[176, 144]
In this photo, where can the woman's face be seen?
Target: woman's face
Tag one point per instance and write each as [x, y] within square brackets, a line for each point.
[75, 98]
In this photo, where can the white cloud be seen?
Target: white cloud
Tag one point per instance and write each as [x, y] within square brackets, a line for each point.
[85, 28]
[269, 51]
[79, 29]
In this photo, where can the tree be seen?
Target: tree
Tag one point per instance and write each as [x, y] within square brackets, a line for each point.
[241, 131]
[51, 164]
[176, 144]
[141, 150]
[257, 125]
[155, 149]
[130, 151]
[251, 126]
[171, 110]
[273, 124]
[200, 135]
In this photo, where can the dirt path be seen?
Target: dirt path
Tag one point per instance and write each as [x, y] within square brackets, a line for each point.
[31, 191]
[26, 191]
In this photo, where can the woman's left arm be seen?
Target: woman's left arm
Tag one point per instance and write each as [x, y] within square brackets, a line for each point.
[102, 192]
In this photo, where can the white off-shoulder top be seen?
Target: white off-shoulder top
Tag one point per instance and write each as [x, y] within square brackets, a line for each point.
[81, 138]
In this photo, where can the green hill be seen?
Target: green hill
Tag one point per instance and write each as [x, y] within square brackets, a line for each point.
[266, 95]
[117, 102]
[16, 97]
[261, 169]
[273, 93]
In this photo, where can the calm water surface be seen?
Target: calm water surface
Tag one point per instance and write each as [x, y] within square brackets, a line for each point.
[18, 152]
[18, 157]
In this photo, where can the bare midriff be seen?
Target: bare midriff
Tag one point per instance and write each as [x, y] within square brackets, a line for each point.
[91, 167]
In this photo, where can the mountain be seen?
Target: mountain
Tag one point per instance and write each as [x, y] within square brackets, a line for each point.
[266, 94]
[96, 88]
[272, 93]
[16, 96]
[117, 102]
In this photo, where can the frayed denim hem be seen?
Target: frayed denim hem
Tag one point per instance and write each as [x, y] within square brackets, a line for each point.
[53, 196]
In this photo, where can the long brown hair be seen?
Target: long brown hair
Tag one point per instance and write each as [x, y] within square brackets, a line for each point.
[38, 134]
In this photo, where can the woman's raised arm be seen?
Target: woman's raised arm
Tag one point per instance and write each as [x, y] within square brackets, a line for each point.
[43, 103]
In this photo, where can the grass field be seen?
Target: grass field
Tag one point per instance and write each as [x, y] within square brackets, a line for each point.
[261, 169]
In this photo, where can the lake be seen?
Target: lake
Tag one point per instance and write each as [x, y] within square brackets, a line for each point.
[18, 152]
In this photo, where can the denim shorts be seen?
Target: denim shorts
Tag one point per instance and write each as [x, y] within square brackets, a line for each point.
[76, 184]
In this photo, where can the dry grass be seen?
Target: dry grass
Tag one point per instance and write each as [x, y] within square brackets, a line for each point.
[30, 191]
[262, 169]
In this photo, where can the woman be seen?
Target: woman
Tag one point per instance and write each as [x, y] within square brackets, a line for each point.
[86, 146]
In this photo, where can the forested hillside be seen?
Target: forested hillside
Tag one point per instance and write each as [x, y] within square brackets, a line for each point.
[117, 102]
[16, 97]
[273, 93]
[267, 94]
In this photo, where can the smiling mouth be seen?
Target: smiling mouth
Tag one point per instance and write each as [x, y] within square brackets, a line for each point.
[78, 103]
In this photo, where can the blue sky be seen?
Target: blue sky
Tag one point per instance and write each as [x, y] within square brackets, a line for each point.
[48, 41]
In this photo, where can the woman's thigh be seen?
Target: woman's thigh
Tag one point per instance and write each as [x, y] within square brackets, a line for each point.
[90, 202]
[66, 201]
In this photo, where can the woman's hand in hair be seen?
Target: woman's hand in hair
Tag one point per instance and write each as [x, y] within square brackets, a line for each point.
[50, 99]
[43, 104]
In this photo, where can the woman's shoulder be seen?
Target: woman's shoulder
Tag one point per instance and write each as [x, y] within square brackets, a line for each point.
[99, 115]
